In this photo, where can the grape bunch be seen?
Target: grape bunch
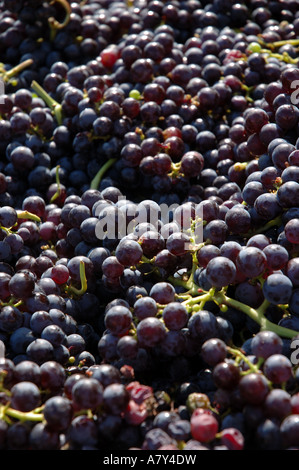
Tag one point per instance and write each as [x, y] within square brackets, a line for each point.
[149, 225]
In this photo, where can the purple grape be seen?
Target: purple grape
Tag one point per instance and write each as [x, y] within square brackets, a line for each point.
[221, 271]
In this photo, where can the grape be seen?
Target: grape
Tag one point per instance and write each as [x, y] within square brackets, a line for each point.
[52, 375]
[221, 271]
[204, 427]
[43, 438]
[249, 294]
[17, 436]
[292, 271]
[152, 243]
[213, 351]
[115, 398]
[255, 119]
[60, 274]
[289, 430]
[226, 375]
[203, 325]
[268, 435]
[40, 350]
[292, 231]
[287, 194]
[278, 368]
[178, 243]
[192, 163]
[25, 396]
[206, 253]
[118, 320]
[179, 430]
[251, 261]
[83, 431]
[145, 307]
[155, 439]
[278, 404]
[150, 331]
[106, 374]
[129, 253]
[278, 289]
[127, 347]
[254, 388]
[268, 206]
[58, 413]
[11, 319]
[265, 344]
[238, 220]
[175, 316]
[216, 231]
[230, 249]
[293, 303]
[277, 256]
[87, 393]
[162, 293]
[21, 285]
[75, 343]
[232, 438]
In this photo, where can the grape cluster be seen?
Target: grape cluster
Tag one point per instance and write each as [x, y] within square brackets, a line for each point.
[149, 225]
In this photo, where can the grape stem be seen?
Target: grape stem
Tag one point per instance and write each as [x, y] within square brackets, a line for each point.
[28, 215]
[220, 298]
[7, 75]
[83, 280]
[256, 314]
[239, 355]
[98, 177]
[53, 23]
[277, 44]
[58, 192]
[20, 415]
[53, 105]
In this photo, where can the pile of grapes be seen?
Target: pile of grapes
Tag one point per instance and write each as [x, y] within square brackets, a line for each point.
[149, 225]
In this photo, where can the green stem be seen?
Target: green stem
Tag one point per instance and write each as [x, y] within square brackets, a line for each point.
[28, 215]
[263, 307]
[197, 303]
[98, 177]
[190, 283]
[241, 356]
[58, 192]
[256, 315]
[190, 286]
[20, 415]
[53, 23]
[17, 69]
[6, 230]
[83, 280]
[291, 42]
[53, 105]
